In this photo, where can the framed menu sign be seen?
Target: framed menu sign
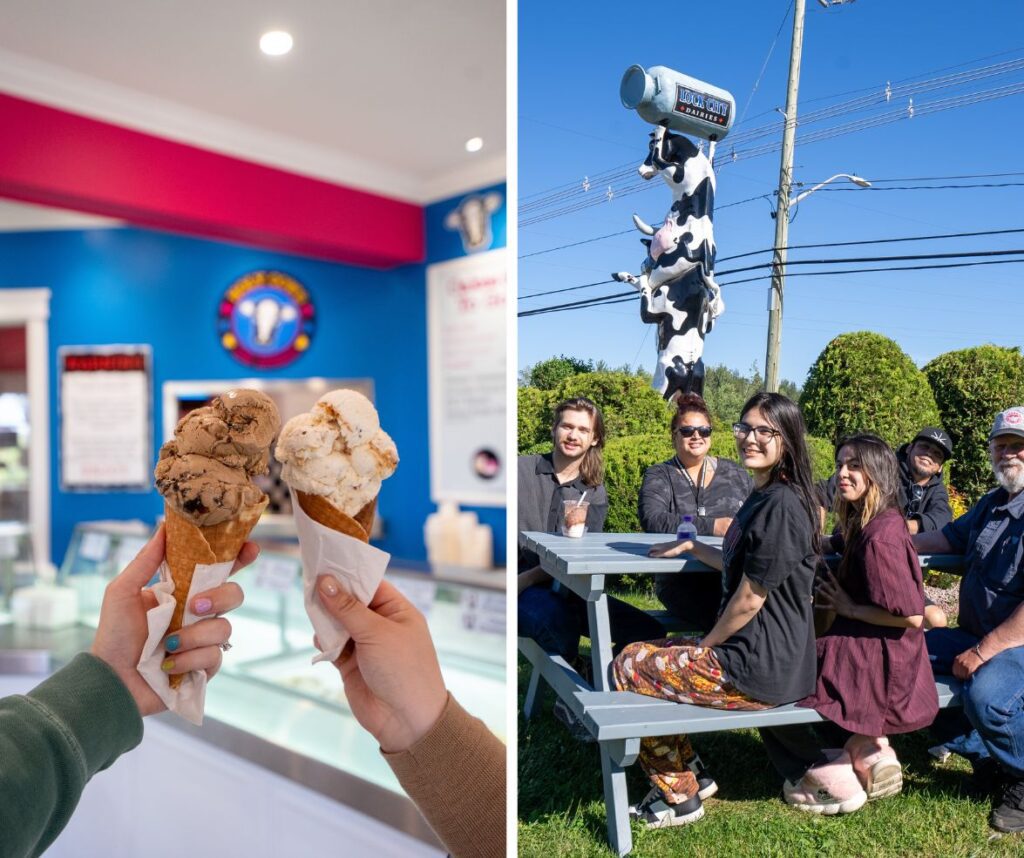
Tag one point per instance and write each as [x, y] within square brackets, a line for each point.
[106, 426]
[466, 324]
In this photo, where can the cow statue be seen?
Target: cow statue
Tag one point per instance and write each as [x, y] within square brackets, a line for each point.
[676, 282]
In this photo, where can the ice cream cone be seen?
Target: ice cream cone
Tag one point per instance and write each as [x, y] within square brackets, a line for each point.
[324, 512]
[189, 545]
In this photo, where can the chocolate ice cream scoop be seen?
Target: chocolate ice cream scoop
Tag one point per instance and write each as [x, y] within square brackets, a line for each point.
[204, 489]
[236, 429]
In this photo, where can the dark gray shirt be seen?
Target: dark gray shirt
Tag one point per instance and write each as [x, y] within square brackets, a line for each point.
[666, 496]
[540, 501]
[991, 536]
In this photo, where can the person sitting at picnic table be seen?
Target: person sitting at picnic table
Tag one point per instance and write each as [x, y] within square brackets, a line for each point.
[708, 488]
[921, 493]
[572, 471]
[986, 651]
[760, 652]
[874, 678]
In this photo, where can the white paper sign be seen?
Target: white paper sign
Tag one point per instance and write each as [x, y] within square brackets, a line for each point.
[127, 549]
[105, 426]
[276, 574]
[94, 546]
[483, 611]
[8, 547]
[420, 593]
[466, 317]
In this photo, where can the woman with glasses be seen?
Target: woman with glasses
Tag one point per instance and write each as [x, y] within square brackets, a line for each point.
[693, 483]
[760, 652]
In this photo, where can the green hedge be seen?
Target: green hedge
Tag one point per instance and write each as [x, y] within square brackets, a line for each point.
[863, 382]
[628, 402]
[626, 459]
[971, 386]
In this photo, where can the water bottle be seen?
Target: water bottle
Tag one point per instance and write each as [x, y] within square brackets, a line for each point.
[687, 529]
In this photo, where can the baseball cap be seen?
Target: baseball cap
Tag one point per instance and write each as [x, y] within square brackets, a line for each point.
[936, 436]
[1008, 422]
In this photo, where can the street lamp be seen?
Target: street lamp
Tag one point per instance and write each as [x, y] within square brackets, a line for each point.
[857, 180]
[771, 361]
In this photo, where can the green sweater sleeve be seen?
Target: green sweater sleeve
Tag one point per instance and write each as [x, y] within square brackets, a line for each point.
[52, 740]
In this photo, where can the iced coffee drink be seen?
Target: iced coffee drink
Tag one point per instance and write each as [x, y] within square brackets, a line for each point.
[574, 518]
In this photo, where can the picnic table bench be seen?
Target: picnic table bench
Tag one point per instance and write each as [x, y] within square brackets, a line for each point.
[619, 719]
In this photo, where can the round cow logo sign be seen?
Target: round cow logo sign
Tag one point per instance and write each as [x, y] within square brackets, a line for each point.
[266, 319]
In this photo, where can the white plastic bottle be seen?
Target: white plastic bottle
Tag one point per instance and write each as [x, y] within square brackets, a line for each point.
[687, 529]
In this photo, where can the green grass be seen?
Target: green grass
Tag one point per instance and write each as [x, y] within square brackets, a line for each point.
[561, 804]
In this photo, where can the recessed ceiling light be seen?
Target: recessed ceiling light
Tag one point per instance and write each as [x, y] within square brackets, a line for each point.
[474, 144]
[276, 43]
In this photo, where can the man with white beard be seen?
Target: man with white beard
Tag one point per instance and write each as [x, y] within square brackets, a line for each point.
[986, 651]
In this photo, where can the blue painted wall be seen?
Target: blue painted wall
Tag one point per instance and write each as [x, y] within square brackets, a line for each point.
[139, 286]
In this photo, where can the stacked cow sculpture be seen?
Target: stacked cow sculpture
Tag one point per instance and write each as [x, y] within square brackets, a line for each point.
[676, 282]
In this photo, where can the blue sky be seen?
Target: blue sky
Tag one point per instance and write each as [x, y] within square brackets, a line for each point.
[571, 125]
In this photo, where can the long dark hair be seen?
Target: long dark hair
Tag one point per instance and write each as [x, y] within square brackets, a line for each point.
[882, 472]
[592, 466]
[794, 466]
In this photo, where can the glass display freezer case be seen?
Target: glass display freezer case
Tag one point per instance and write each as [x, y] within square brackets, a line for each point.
[268, 687]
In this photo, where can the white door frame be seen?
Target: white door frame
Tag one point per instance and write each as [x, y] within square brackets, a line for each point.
[31, 308]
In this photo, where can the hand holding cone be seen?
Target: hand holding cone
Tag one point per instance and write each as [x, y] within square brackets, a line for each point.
[204, 474]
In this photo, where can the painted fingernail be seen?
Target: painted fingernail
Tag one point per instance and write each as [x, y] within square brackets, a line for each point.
[168, 665]
[172, 643]
[328, 586]
[202, 606]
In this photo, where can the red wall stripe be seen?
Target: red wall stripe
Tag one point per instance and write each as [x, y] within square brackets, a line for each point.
[52, 157]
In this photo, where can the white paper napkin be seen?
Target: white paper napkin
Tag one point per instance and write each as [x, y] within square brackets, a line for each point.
[189, 698]
[357, 566]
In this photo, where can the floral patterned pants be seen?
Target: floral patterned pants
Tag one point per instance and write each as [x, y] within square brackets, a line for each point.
[676, 669]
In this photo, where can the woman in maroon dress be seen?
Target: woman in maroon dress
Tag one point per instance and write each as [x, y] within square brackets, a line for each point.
[873, 673]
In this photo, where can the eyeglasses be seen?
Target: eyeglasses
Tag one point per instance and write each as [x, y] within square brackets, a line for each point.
[687, 431]
[764, 434]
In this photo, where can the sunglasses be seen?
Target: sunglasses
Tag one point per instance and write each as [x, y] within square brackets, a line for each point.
[762, 433]
[687, 431]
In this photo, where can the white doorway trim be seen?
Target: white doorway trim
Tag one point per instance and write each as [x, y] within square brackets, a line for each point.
[31, 308]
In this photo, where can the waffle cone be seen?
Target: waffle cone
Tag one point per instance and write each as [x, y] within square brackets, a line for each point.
[322, 511]
[189, 545]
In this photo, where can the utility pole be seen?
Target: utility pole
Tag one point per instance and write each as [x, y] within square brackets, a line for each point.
[771, 361]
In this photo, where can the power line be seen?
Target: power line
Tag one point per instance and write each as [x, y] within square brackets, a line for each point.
[895, 115]
[878, 94]
[622, 297]
[806, 247]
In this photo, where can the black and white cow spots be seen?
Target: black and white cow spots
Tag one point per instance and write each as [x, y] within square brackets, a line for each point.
[676, 281]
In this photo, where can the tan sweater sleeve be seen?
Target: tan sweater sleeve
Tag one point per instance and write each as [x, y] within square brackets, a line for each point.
[456, 777]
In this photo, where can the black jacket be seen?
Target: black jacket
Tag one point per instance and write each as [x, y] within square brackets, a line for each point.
[928, 504]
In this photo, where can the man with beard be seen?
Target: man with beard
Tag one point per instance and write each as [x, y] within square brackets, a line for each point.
[986, 652]
[922, 496]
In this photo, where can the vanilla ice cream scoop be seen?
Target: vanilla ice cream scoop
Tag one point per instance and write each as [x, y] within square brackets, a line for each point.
[337, 451]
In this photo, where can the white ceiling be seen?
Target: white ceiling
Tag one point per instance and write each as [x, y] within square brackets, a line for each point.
[376, 94]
